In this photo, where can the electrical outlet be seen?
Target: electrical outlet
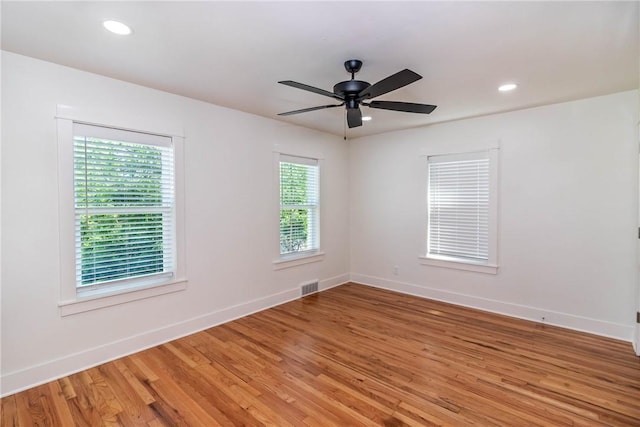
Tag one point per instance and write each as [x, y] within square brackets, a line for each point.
[395, 270]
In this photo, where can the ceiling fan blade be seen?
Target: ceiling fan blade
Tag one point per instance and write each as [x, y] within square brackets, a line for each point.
[407, 107]
[310, 89]
[354, 117]
[393, 82]
[305, 110]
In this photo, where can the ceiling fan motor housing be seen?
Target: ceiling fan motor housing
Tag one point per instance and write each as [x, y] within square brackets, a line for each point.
[349, 90]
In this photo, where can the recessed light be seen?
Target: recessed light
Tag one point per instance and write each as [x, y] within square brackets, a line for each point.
[366, 118]
[507, 87]
[117, 27]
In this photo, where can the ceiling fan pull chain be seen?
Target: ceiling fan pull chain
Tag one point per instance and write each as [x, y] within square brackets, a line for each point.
[344, 124]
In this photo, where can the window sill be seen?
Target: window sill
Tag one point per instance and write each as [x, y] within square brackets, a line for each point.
[459, 265]
[98, 300]
[294, 260]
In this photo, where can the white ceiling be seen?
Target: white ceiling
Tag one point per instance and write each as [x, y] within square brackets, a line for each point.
[233, 53]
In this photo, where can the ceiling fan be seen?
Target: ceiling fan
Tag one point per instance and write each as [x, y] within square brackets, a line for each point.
[353, 93]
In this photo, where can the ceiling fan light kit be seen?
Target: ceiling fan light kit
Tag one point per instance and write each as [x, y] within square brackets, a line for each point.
[353, 93]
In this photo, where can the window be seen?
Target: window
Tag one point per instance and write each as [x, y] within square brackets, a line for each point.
[121, 213]
[461, 210]
[124, 206]
[299, 206]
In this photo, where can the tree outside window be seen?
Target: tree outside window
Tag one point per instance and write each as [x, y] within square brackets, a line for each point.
[298, 205]
[123, 202]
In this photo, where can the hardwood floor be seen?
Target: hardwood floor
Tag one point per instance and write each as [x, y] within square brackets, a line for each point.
[353, 356]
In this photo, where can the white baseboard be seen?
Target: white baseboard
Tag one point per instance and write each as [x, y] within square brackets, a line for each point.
[32, 376]
[332, 282]
[569, 321]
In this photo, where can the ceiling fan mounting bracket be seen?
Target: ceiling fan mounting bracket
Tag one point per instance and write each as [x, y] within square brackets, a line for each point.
[353, 66]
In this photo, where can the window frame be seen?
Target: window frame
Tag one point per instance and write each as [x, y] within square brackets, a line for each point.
[460, 263]
[74, 299]
[292, 259]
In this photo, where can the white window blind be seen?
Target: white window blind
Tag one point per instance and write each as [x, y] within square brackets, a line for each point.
[458, 207]
[124, 205]
[299, 205]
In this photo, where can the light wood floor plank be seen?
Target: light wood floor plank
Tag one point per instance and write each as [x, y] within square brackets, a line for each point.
[353, 356]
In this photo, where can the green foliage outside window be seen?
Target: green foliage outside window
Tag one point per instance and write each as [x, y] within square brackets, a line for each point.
[118, 190]
[293, 230]
[296, 198]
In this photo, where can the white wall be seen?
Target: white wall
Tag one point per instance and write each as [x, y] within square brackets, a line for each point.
[567, 214]
[564, 261]
[231, 220]
[636, 342]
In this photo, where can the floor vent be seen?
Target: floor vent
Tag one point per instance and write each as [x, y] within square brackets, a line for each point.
[310, 288]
